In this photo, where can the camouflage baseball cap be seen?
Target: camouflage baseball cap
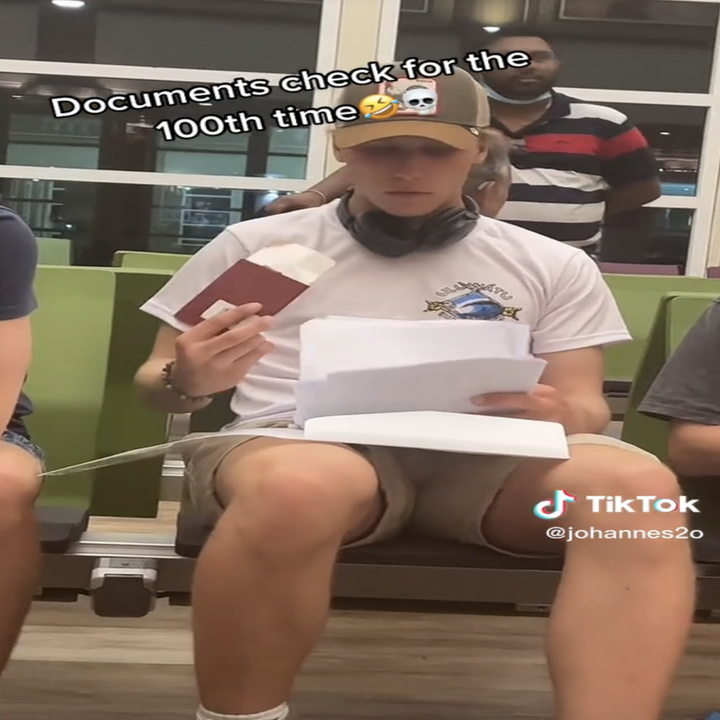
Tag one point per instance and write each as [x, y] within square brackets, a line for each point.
[451, 109]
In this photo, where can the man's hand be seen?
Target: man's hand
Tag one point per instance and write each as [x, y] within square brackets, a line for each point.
[216, 354]
[543, 403]
[299, 201]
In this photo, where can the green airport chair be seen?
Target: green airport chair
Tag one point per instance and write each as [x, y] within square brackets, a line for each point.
[130, 490]
[66, 382]
[55, 251]
[150, 260]
[638, 297]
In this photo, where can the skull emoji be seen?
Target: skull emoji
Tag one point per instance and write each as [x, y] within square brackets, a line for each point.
[420, 99]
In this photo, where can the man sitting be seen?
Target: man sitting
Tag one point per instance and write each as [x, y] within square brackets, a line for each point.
[20, 459]
[687, 394]
[283, 509]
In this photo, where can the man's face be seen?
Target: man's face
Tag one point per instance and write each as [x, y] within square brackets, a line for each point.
[528, 82]
[409, 176]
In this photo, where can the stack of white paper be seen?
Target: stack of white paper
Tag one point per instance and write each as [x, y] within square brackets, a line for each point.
[351, 366]
[398, 383]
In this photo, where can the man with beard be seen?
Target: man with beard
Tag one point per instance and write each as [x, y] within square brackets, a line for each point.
[574, 163]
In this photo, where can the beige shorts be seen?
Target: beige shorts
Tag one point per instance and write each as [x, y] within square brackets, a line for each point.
[435, 494]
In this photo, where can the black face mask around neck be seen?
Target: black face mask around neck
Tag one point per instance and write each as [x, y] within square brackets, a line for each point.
[394, 237]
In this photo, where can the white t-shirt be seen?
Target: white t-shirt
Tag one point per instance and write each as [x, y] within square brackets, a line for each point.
[499, 273]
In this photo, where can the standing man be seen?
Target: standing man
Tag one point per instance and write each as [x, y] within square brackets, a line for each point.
[21, 460]
[574, 163]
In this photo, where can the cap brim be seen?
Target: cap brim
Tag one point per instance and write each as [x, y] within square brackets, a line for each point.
[455, 136]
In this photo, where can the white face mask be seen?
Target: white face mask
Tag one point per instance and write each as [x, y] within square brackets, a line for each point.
[494, 95]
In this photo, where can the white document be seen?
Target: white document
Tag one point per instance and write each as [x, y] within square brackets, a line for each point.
[337, 344]
[443, 387]
[400, 383]
[447, 432]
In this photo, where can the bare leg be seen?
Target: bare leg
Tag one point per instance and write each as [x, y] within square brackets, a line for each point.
[262, 584]
[19, 544]
[624, 606]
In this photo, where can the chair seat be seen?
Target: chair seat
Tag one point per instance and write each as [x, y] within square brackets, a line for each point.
[617, 387]
[61, 527]
[408, 550]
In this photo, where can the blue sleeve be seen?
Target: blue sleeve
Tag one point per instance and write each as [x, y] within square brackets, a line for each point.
[18, 262]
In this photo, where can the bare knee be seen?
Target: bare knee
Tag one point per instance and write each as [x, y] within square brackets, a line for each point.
[18, 492]
[292, 502]
[627, 476]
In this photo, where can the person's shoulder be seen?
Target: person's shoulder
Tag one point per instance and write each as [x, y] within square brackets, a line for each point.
[12, 225]
[17, 240]
[583, 110]
[528, 243]
[272, 228]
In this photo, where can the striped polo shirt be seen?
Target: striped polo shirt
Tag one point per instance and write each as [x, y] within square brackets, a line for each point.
[564, 165]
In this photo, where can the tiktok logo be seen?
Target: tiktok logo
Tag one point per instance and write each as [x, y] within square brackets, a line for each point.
[554, 508]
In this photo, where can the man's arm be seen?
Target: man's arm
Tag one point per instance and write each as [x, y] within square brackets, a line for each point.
[687, 394]
[335, 185]
[196, 275]
[632, 196]
[149, 381]
[18, 261]
[629, 167]
[581, 318]
[579, 376]
[331, 188]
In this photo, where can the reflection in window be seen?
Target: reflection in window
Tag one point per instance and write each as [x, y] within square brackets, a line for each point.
[102, 218]
[602, 44]
[127, 141]
[54, 208]
[241, 35]
[53, 142]
[648, 235]
[186, 218]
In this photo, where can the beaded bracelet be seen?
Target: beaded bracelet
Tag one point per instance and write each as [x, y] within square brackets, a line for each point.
[167, 379]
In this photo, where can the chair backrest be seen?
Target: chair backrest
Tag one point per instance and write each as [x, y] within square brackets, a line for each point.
[638, 269]
[638, 297]
[676, 314]
[126, 422]
[55, 251]
[713, 272]
[150, 260]
[67, 377]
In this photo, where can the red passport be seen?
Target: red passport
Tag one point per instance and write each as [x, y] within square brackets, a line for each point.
[247, 282]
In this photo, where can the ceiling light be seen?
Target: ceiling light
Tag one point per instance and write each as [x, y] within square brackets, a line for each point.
[491, 28]
[69, 4]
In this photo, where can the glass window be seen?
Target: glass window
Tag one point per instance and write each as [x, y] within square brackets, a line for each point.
[627, 41]
[102, 218]
[18, 30]
[675, 134]
[127, 140]
[273, 36]
[648, 235]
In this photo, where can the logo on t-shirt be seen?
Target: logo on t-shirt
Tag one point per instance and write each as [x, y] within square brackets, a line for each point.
[473, 301]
